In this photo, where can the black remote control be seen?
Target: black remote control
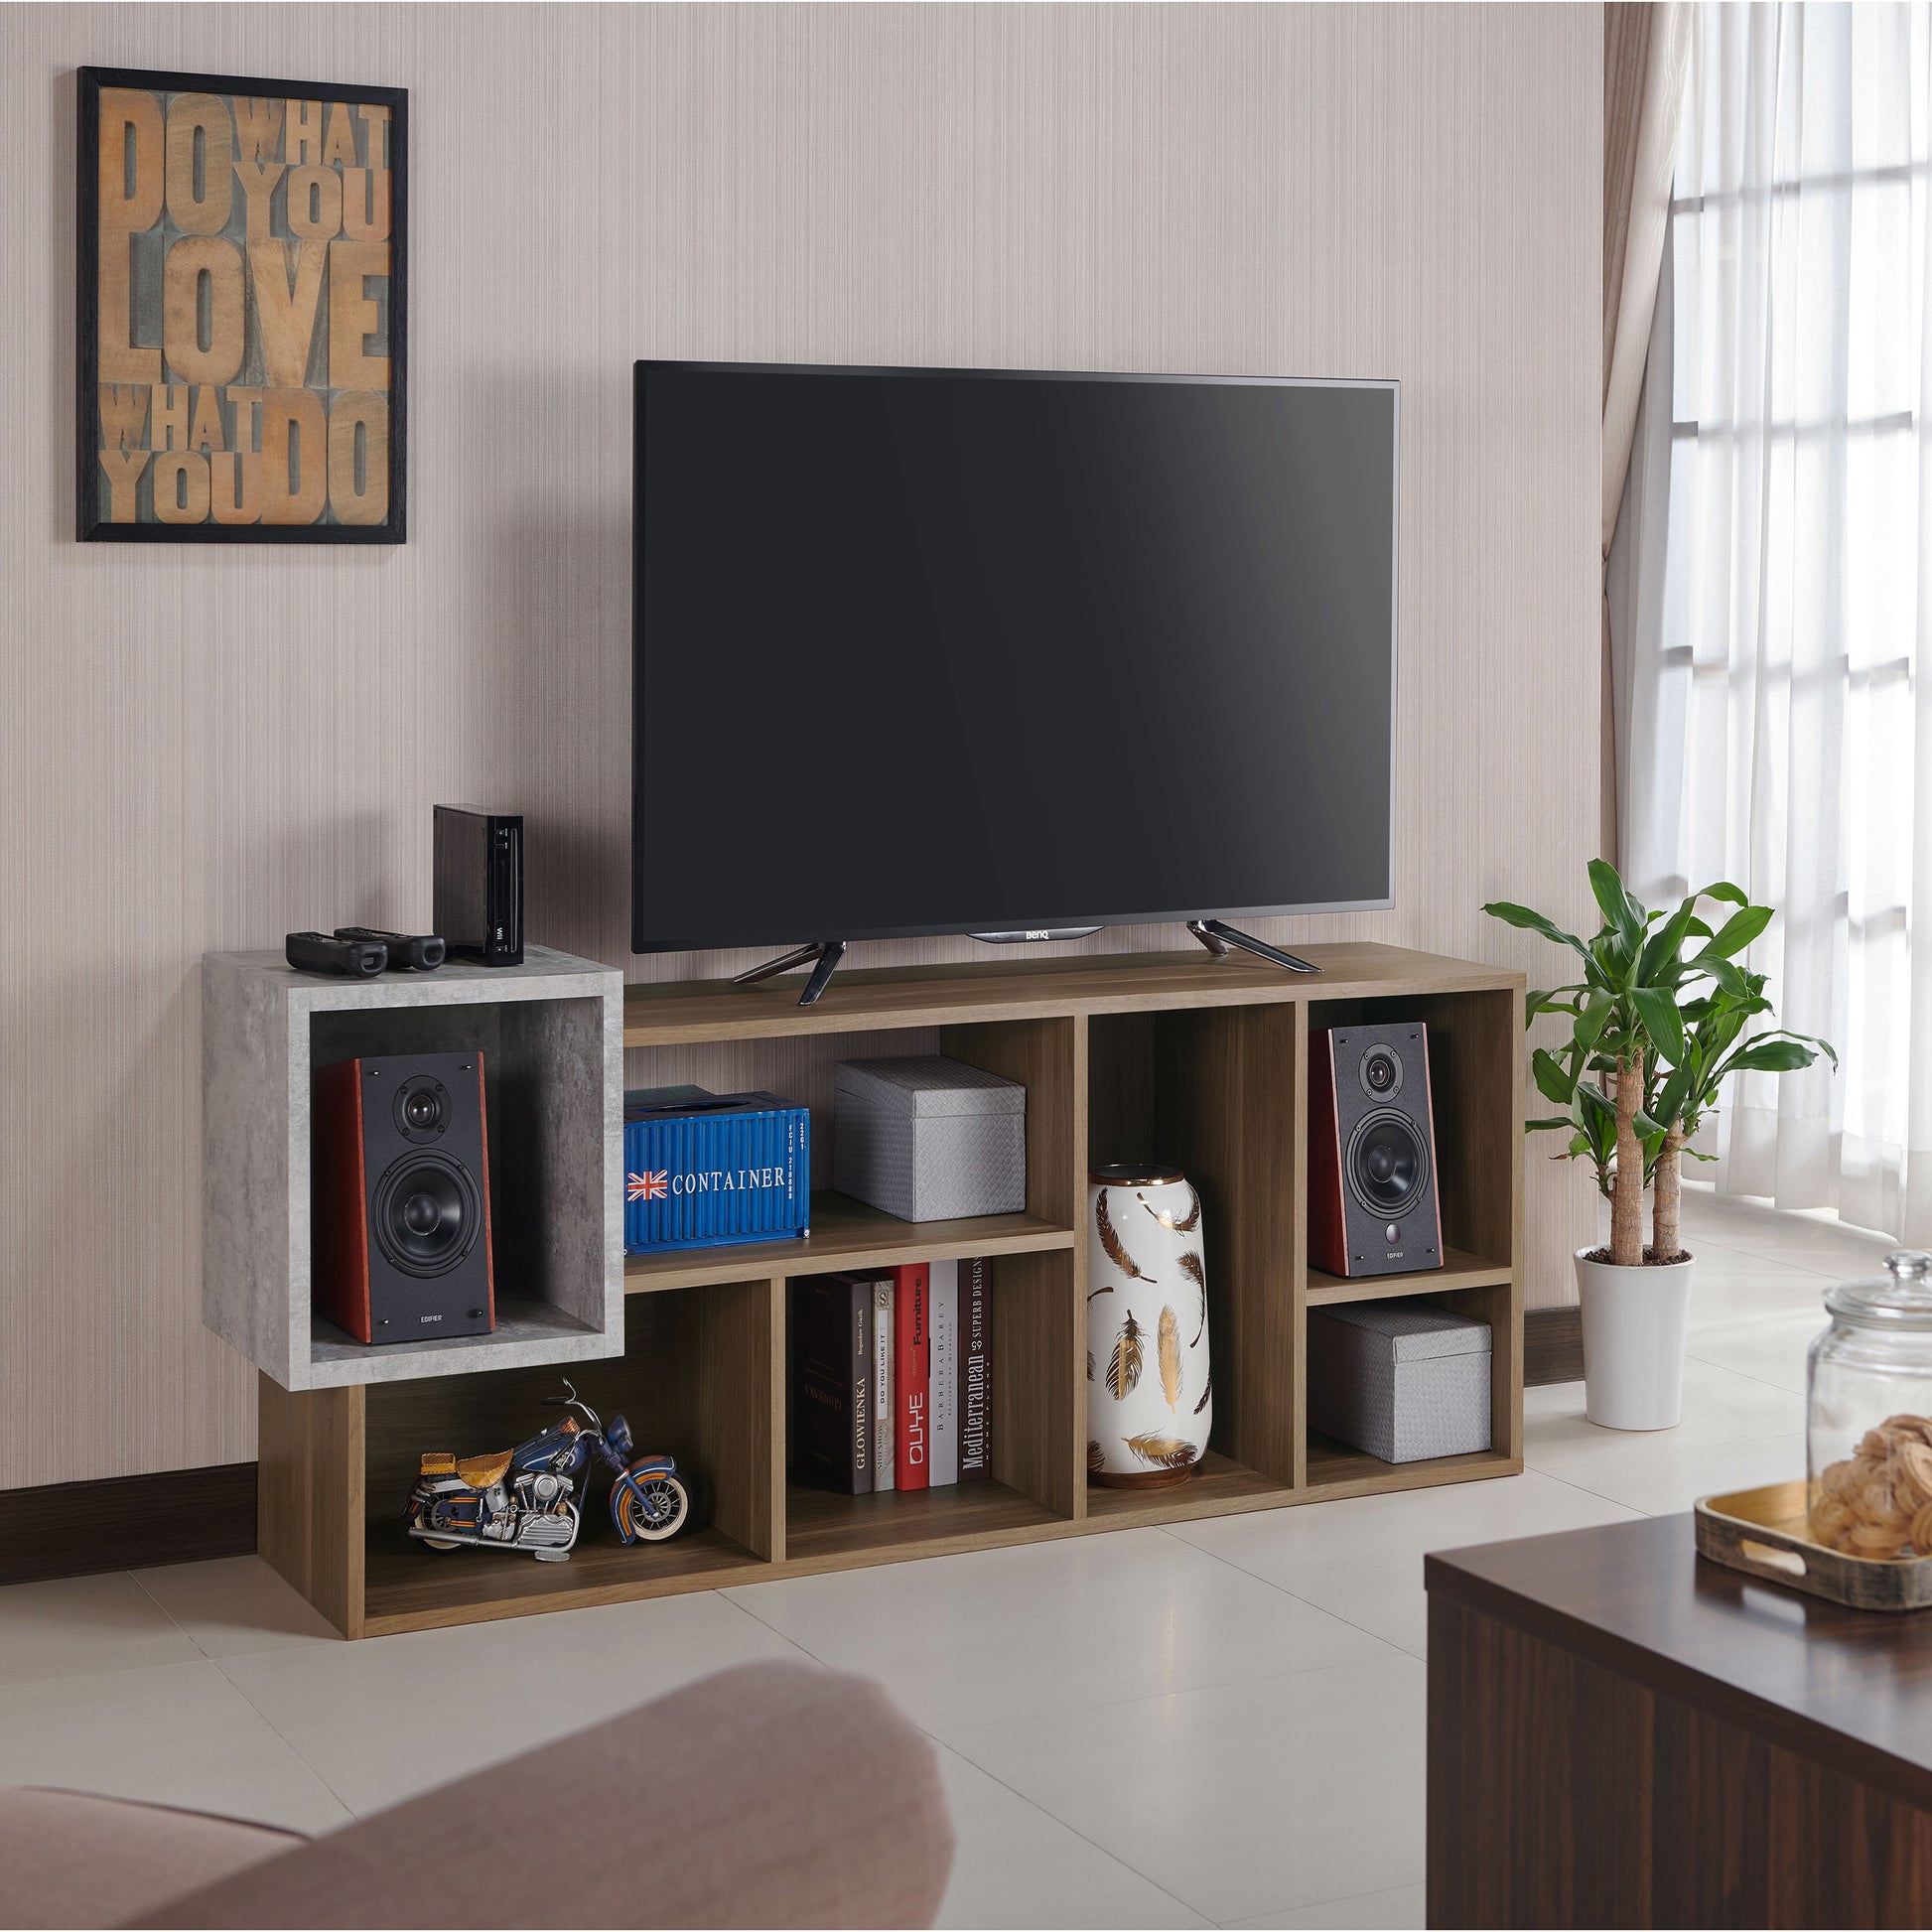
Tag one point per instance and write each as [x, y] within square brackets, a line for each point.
[408, 953]
[321, 952]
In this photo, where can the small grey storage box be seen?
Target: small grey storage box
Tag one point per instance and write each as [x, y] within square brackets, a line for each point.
[930, 1139]
[1402, 1380]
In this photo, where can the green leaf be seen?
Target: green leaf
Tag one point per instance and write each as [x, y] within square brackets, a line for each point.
[1668, 1106]
[1537, 1126]
[1771, 1056]
[1536, 1004]
[1619, 908]
[1722, 971]
[1522, 916]
[1724, 889]
[1590, 1021]
[1662, 948]
[1661, 1020]
[1740, 930]
[1554, 1081]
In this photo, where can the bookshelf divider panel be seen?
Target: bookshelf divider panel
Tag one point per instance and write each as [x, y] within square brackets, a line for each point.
[310, 1499]
[1038, 1369]
[1083, 1163]
[1475, 1054]
[1224, 1101]
[1298, 1063]
[1040, 1054]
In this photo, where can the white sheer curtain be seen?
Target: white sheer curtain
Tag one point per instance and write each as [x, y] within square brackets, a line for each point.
[1772, 582]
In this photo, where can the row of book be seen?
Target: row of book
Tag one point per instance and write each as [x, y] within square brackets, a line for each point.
[892, 1377]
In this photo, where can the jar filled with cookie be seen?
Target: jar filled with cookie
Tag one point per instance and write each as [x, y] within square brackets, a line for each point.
[1869, 1415]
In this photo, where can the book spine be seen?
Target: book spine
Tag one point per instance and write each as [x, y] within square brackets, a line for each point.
[859, 1358]
[828, 1387]
[975, 1369]
[884, 1463]
[911, 1363]
[944, 1376]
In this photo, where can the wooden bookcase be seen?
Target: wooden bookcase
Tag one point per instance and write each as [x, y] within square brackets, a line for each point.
[1198, 1061]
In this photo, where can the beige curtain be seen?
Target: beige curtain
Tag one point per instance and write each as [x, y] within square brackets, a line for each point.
[1646, 52]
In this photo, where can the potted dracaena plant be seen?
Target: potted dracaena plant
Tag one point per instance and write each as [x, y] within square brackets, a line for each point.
[1658, 1015]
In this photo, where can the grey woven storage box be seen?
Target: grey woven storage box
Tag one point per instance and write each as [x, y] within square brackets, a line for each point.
[930, 1139]
[1402, 1380]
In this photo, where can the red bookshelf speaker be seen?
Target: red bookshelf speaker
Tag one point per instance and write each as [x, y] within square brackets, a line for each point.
[1372, 1204]
[401, 1158]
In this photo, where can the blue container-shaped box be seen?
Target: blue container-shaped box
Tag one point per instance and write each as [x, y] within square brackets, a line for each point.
[704, 1170]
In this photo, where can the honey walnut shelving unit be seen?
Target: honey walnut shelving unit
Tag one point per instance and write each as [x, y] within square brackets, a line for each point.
[1198, 1061]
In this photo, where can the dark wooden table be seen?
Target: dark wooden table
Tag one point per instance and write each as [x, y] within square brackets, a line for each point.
[1622, 1734]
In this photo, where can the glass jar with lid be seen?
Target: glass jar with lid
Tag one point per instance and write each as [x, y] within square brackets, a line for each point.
[1869, 1386]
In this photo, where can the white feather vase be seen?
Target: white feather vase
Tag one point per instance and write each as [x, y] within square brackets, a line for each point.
[1149, 1401]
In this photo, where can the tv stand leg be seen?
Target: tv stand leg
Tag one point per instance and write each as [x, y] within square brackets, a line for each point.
[826, 952]
[1217, 936]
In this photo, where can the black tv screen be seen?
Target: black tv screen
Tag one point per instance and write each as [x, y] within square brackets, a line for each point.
[936, 651]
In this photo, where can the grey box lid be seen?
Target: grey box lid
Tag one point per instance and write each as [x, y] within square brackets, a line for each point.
[929, 1086]
[1415, 1331]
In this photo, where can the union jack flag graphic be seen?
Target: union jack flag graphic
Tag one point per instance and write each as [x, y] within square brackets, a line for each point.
[656, 1185]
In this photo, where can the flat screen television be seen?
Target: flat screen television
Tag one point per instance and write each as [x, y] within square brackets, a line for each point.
[996, 651]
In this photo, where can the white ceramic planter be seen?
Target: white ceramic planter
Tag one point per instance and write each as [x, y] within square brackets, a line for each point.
[1633, 1341]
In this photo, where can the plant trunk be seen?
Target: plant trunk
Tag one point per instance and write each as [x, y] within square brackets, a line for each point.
[1665, 1243]
[1626, 1197]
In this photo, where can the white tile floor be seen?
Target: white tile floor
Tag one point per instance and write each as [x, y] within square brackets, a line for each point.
[1261, 1676]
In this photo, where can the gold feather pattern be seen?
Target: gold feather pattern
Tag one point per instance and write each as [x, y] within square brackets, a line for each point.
[1208, 1389]
[1124, 1366]
[1191, 1268]
[1165, 1451]
[1111, 1241]
[1096, 1458]
[1089, 1364]
[1105, 1288]
[1168, 1221]
[1170, 1357]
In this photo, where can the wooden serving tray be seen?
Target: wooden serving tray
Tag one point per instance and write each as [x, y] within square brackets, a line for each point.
[1766, 1533]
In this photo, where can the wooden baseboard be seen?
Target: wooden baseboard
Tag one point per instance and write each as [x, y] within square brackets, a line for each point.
[1553, 1346]
[75, 1529]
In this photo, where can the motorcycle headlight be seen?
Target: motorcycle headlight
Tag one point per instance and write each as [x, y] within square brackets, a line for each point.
[618, 1436]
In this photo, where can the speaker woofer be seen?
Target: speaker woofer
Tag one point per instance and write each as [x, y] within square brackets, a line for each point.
[427, 1214]
[1388, 1163]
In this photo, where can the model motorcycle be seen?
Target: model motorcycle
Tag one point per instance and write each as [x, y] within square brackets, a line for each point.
[527, 1497]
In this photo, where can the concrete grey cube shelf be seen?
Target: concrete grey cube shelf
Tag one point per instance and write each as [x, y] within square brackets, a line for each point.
[551, 1033]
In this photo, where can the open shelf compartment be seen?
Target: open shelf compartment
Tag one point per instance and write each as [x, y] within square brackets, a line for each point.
[1337, 1468]
[548, 1032]
[694, 1382]
[1217, 1092]
[1033, 1333]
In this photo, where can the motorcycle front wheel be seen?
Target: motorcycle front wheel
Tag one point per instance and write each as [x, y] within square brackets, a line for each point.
[666, 1502]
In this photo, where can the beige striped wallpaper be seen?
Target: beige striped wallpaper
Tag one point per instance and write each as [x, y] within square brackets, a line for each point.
[204, 748]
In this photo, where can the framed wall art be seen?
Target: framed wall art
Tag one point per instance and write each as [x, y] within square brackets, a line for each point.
[242, 309]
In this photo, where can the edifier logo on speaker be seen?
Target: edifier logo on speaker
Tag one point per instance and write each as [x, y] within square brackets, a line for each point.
[429, 1318]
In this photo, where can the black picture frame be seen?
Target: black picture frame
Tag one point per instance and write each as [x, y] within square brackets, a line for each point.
[92, 526]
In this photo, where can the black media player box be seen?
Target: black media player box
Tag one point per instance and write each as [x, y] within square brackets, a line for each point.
[479, 883]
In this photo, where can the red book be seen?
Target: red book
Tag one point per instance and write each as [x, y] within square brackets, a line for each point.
[912, 1363]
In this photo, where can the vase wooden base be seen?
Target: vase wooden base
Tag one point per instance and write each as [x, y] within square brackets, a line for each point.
[1143, 1479]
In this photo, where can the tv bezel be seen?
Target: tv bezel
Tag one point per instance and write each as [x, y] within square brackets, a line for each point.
[760, 936]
